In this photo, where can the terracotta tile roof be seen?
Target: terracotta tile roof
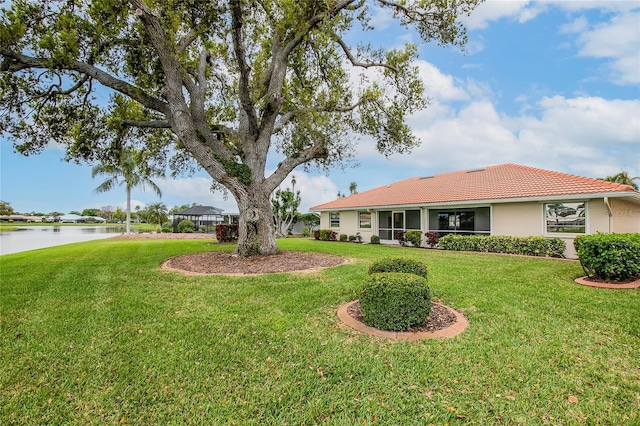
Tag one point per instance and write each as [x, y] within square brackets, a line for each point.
[503, 182]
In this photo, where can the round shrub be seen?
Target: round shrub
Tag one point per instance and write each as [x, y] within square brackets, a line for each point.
[343, 238]
[398, 264]
[375, 239]
[186, 227]
[395, 301]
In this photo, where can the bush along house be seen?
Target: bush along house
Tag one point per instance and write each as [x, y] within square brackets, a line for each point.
[508, 199]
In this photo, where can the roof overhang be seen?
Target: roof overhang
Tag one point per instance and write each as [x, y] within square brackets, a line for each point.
[632, 196]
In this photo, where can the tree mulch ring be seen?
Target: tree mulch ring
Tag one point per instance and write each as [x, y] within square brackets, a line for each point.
[226, 263]
[441, 322]
[633, 282]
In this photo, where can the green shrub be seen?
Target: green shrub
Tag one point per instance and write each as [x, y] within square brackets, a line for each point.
[609, 257]
[167, 229]
[343, 238]
[414, 237]
[306, 232]
[325, 235]
[374, 239]
[227, 232]
[186, 227]
[399, 264]
[352, 238]
[531, 246]
[395, 301]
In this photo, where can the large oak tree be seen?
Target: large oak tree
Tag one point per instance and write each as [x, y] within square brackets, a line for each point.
[227, 83]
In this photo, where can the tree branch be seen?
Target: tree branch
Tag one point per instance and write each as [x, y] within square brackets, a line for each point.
[356, 63]
[20, 62]
[149, 124]
[186, 41]
[238, 48]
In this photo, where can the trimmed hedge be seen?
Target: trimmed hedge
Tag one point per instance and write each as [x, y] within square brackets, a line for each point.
[398, 264]
[325, 235]
[609, 257]
[344, 238]
[414, 237]
[374, 239]
[186, 227]
[530, 246]
[395, 301]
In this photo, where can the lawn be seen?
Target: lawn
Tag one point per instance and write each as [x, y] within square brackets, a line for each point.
[95, 333]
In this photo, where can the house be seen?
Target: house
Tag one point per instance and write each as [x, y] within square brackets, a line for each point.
[507, 199]
[205, 218]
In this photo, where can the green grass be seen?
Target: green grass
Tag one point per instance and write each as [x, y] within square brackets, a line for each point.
[95, 333]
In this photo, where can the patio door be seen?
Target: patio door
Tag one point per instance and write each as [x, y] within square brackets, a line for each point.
[389, 222]
[398, 223]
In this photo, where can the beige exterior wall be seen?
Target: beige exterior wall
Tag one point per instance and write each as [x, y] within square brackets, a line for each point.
[517, 219]
[625, 216]
[349, 224]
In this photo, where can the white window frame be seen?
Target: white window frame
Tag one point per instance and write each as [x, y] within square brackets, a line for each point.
[333, 216]
[545, 226]
[360, 213]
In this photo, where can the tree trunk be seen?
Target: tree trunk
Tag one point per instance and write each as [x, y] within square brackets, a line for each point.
[128, 222]
[256, 230]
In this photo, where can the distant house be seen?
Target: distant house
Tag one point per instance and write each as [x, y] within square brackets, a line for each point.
[507, 199]
[20, 218]
[74, 218]
[205, 218]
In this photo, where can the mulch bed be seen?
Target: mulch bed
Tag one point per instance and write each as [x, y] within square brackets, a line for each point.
[228, 263]
[439, 318]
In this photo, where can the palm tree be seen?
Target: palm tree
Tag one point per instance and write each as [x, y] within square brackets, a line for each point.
[157, 213]
[353, 188]
[129, 171]
[623, 178]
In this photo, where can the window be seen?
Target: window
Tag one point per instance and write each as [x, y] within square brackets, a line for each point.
[334, 219]
[364, 219]
[464, 221]
[568, 218]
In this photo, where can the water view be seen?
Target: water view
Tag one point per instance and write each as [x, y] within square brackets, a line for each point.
[35, 237]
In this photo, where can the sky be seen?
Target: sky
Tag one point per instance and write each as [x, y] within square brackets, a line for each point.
[547, 84]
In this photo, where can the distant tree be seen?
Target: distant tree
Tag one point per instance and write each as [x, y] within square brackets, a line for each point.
[285, 207]
[132, 175]
[310, 220]
[353, 188]
[119, 215]
[5, 208]
[623, 178]
[56, 216]
[106, 212]
[156, 213]
[75, 212]
[90, 212]
[178, 209]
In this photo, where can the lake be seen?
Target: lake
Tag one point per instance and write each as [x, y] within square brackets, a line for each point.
[35, 237]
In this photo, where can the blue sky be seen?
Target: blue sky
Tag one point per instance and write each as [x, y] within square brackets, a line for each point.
[548, 84]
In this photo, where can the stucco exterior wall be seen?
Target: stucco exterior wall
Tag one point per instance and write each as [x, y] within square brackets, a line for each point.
[517, 219]
[625, 216]
[349, 224]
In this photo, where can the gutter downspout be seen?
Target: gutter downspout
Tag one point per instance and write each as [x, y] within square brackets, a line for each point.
[609, 212]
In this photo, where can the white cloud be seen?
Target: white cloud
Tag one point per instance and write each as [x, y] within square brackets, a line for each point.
[314, 190]
[588, 136]
[619, 41]
[493, 10]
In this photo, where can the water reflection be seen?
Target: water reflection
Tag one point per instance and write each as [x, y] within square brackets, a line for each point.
[35, 237]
